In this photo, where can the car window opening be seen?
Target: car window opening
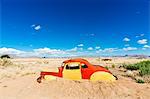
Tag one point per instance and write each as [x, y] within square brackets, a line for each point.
[72, 67]
[84, 66]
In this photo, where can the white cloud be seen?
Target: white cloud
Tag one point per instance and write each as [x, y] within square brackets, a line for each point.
[45, 52]
[97, 47]
[146, 46]
[110, 49]
[126, 39]
[90, 48]
[80, 45]
[5, 50]
[15, 52]
[76, 51]
[35, 52]
[73, 49]
[129, 48]
[143, 41]
[48, 51]
[38, 27]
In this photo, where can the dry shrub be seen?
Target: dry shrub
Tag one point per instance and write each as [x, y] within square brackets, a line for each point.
[43, 62]
[113, 66]
[146, 78]
[5, 62]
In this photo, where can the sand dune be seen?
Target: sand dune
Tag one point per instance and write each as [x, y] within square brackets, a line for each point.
[26, 87]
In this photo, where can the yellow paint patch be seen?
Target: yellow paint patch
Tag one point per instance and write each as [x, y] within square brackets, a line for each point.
[49, 77]
[102, 76]
[73, 74]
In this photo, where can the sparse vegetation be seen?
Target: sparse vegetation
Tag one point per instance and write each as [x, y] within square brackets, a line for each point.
[131, 66]
[113, 65]
[140, 81]
[5, 62]
[143, 67]
[106, 59]
[106, 67]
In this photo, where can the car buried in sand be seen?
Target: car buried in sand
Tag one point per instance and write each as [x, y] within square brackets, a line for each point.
[77, 69]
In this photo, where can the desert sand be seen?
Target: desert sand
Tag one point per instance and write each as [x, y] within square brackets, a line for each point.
[18, 81]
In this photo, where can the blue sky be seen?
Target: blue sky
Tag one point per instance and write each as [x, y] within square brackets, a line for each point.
[86, 27]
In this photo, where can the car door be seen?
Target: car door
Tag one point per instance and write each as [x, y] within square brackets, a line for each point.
[86, 71]
[72, 70]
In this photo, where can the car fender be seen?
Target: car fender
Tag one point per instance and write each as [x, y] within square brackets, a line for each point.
[102, 76]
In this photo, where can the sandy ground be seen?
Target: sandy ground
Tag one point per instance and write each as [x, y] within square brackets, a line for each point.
[19, 82]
